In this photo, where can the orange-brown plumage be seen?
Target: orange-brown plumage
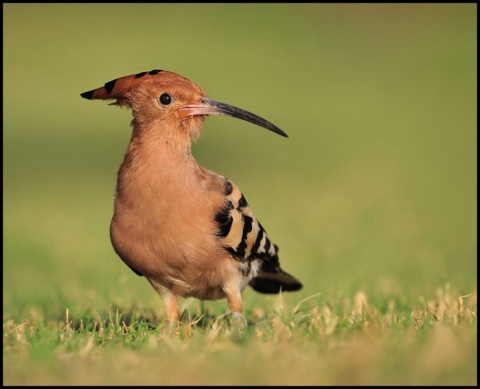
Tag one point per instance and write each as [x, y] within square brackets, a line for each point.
[187, 229]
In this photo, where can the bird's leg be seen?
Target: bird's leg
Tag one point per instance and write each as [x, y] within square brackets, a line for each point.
[171, 305]
[235, 304]
[170, 300]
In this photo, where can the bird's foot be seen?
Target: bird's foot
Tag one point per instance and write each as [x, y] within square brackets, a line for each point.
[172, 327]
[238, 323]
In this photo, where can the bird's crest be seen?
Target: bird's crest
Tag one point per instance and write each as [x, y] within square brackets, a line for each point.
[117, 88]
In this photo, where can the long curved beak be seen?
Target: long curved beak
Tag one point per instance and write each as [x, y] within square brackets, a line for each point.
[212, 107]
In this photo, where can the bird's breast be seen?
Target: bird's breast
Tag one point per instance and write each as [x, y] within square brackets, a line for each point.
[164, 227]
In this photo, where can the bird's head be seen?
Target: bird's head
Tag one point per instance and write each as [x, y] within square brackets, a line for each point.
[164, 97]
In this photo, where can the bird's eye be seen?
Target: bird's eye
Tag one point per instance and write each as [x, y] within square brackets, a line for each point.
[165, 99]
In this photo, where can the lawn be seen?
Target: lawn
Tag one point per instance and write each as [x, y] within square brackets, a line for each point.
[371, 199]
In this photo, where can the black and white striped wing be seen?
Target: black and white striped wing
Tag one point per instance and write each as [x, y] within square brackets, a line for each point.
[243, 236]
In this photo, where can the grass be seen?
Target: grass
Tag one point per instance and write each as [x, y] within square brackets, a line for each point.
[350, 342]
[372, 199]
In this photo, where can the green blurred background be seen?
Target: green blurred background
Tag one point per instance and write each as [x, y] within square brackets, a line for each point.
[375, 189]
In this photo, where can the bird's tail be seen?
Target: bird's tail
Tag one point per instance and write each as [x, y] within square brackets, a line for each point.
[272, 279]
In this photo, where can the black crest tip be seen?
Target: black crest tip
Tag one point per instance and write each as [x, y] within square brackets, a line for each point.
[88, 95]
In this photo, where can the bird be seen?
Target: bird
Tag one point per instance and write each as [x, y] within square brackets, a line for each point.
[188, 230]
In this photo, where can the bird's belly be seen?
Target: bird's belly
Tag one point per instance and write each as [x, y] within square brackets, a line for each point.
[179, 250]
[211, 284]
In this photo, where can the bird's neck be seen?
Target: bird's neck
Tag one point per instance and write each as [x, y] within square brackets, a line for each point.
[159, 159]
[153, 136]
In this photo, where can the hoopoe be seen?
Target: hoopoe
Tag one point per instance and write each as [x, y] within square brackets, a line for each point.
[188, 230]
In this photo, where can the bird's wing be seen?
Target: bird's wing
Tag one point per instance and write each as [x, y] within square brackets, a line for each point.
[239, 230]
[243, 236]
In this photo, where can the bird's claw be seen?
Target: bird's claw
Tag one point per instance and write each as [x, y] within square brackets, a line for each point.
[238, 323]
